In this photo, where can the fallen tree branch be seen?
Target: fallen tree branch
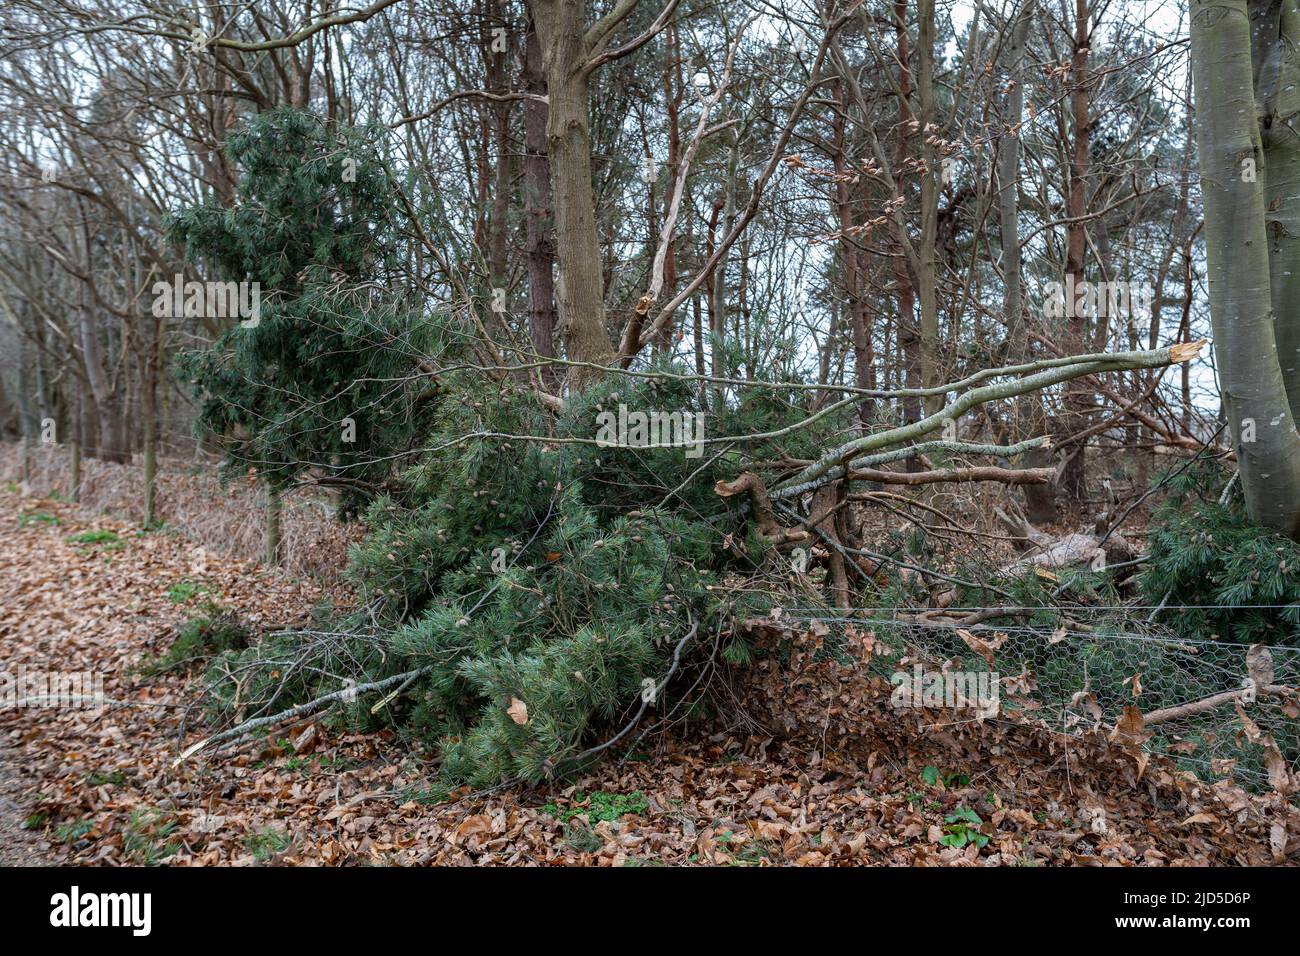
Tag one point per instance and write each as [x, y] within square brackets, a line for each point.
[1211, 702]
[1008, 476]
[308, 707]
[1053, 374]
[913, 451]
[645, 701]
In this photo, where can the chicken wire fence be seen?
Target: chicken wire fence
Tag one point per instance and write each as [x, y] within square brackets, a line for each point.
[1081, 676]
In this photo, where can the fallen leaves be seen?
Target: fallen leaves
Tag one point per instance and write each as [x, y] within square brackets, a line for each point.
[842, 784]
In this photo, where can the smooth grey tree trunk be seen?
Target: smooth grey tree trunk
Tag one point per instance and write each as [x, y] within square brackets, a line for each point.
[1234, 173]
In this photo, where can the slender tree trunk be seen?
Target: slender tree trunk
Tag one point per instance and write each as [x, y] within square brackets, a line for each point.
[672, 85]
[908, 340]
[862, 357]
[498, 80]
[149, 420]
[74, 479]
[1079, 396]
[927, 251]
[274, 509]
[537, 211]
[1040, 500]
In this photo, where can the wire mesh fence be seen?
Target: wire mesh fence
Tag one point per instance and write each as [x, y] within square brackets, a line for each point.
[1077, 676]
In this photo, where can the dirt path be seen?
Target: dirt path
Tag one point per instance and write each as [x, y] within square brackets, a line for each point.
[848, 782]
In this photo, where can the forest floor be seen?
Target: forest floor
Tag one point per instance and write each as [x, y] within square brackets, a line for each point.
[842, 778]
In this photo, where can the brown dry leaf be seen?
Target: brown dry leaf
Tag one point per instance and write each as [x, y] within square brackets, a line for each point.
[984, 648]
[518, 711]
[1277, 841]
[1131, 730]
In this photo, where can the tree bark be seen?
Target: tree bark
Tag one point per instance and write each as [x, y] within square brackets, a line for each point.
[1040, 499]
[1078, 395]
[537, 210]
[1238, 257]
[565, 51]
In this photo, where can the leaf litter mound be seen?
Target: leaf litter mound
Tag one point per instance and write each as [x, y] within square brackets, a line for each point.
[817, 768]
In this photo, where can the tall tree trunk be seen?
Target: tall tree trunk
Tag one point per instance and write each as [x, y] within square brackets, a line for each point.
[1040, 500]
[537, 210]
[74, 479]
[1277, 70]
[927, 251]
[908, 340]
[498, 81]
[672, 86]
[1079, 397]
[862, 357]
[274, 510]
[149, 417]
[1233, 174]
[565, 50]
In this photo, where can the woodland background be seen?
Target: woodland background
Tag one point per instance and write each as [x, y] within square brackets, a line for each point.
[836, 231]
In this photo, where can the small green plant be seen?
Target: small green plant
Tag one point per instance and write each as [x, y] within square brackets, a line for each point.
[184, 590]
[212, 632]
[962, 827]
[266, 843]
[72, 832]
[98, 536]
[747, 852]
[116, 779]
[146, 841]
[581, 837]
[601, 805]
[26, 518]
[935, 778]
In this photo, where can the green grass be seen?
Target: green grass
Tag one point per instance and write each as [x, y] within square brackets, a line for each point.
[266, 843]
[117, 778]
[601, 805]
[26, 518]
[100, 537]
[147, 841]
[184, 590]
[72, 832]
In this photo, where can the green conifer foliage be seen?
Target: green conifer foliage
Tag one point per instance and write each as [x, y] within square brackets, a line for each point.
[1229, 579]
[539, 585]
[316, 381]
